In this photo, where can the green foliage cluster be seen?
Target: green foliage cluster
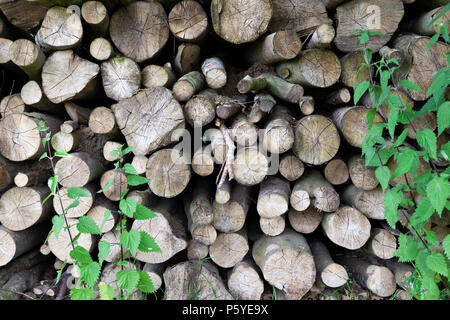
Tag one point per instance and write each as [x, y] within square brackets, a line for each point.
[129, 279]
[414, 201]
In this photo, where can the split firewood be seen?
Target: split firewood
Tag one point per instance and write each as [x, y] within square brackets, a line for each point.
[347, 227]
[381, 244]
[60, 30]
[341, 96]
[229, 248]
[290, 167]
[244, 281]
[379, 280]
[305, 221]
[312, 188]
[188, 85]
[272, 226]
[332, 274]
[369, 202]
[352, 122]
[96, 18]
[167, 229]
[367, 14]
[273, 197]
[158, 76]
[306, 105]
[121, 78]
[28, 57]
[286, 263]
[278, 135]
[322, 37]
[351, 64]
[188, 21]
[316, 139]
[139, 30]
[197, 250]
[230, 216]
[179, 282]
[362, 177]
[187, 57]
[16, 243]
[101, 49]
[78, 169]
[317, 68]
[336, 172]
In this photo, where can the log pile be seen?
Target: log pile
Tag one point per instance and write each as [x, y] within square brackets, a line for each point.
[242, 119]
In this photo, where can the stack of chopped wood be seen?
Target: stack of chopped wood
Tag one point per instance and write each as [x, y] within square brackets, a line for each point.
[273, 189]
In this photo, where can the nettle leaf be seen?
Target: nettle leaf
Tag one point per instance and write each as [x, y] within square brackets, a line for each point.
[443, 117]
[423, 211]
[429, 289]
[145, 283]
[384, 78]
[87, 225]
[427, 140]
[62, 154]
[107, 186]
[52, 183]
[127, 280]
[401, 138]
[130, 239]
[143, 213]
[421, 264]
[407, 84]
[128, 168]
[128, 150]
[128, 206]
[370, 116]
[436, 262]
[407, 248]
[43, 156]
[383, 175]
[81, 255]
[438, 190]
[90, 273]
[134, 180]
[106, 291]
[148, 244]
[76, 192]
[392, 199]
[106, 215]
[103, 251]
[445, 151]
[74, 204]
[392, 121]
[446, 246]
[432, 41]
[58, 223]
[407, 162]
[82, 294]
[360, 90]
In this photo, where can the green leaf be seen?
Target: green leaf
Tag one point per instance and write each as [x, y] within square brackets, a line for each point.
[392, 199]
[384, 78]
[429, 289]
[82, 294]
[76, 192]
[143, 213]
[81, 255]
[145, 283]
[128, 206]
[438, 191]
[432, 41]
[147, 243]
[401, 138]
[107, 186]
[52, 183]
[74, 204]
[383, 175]
[407, 161]
[128, 168]
[130, 239]
[421, 264]
[106, 291]
[446, 246]
[407, 248]
[133, 180]
[58, 223]
[443, 117]
[427, 140]
[87, 225]
[128, 150]
[43, 156]
[392, 121]
[423, 212]
[106, 215]
[62, 154]
[410, 85]
[90, 273]
[103, 251]
[360, 90]
[127, 280]
[370, 116]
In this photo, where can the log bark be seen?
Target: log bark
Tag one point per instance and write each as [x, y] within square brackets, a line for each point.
[273, 198]
[77, 113]
[168, 173]
[250, 166]
[28, 57]
[139, 30]
[20, 138]
[244, 281]
[200, 110]
[21, 282]
[16, 243]
[187, 57]
[226, 107]
[322, 37]
[347, 227]
[230, 216]
[158, 76]
[148, 119]
[332, 274]
[300, 16]
[78, 170]
[278, 136]
[275, 47]
[203, 161]
[84, 206]
[306, 105]
[367, 14]
[341, 96]
[23, 262]
[291, 168]
[362, 177]
[352, 123]
[272, 226]
[24, 15]
[243, 131]
[188, 85]
[238, 21]
[381, 244]
[66, 76]
[214, 71]
[316, 139]
[305, 221]
[336, 172]
[229, 249]
[350, 64]
[96, 18]
[286, 263]
[60, 30]
[121, 78]
[101, 49]
[249, 83]
[370, 203]
[188, 21]
[420, 24]
[167, 229]
[316, 68]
